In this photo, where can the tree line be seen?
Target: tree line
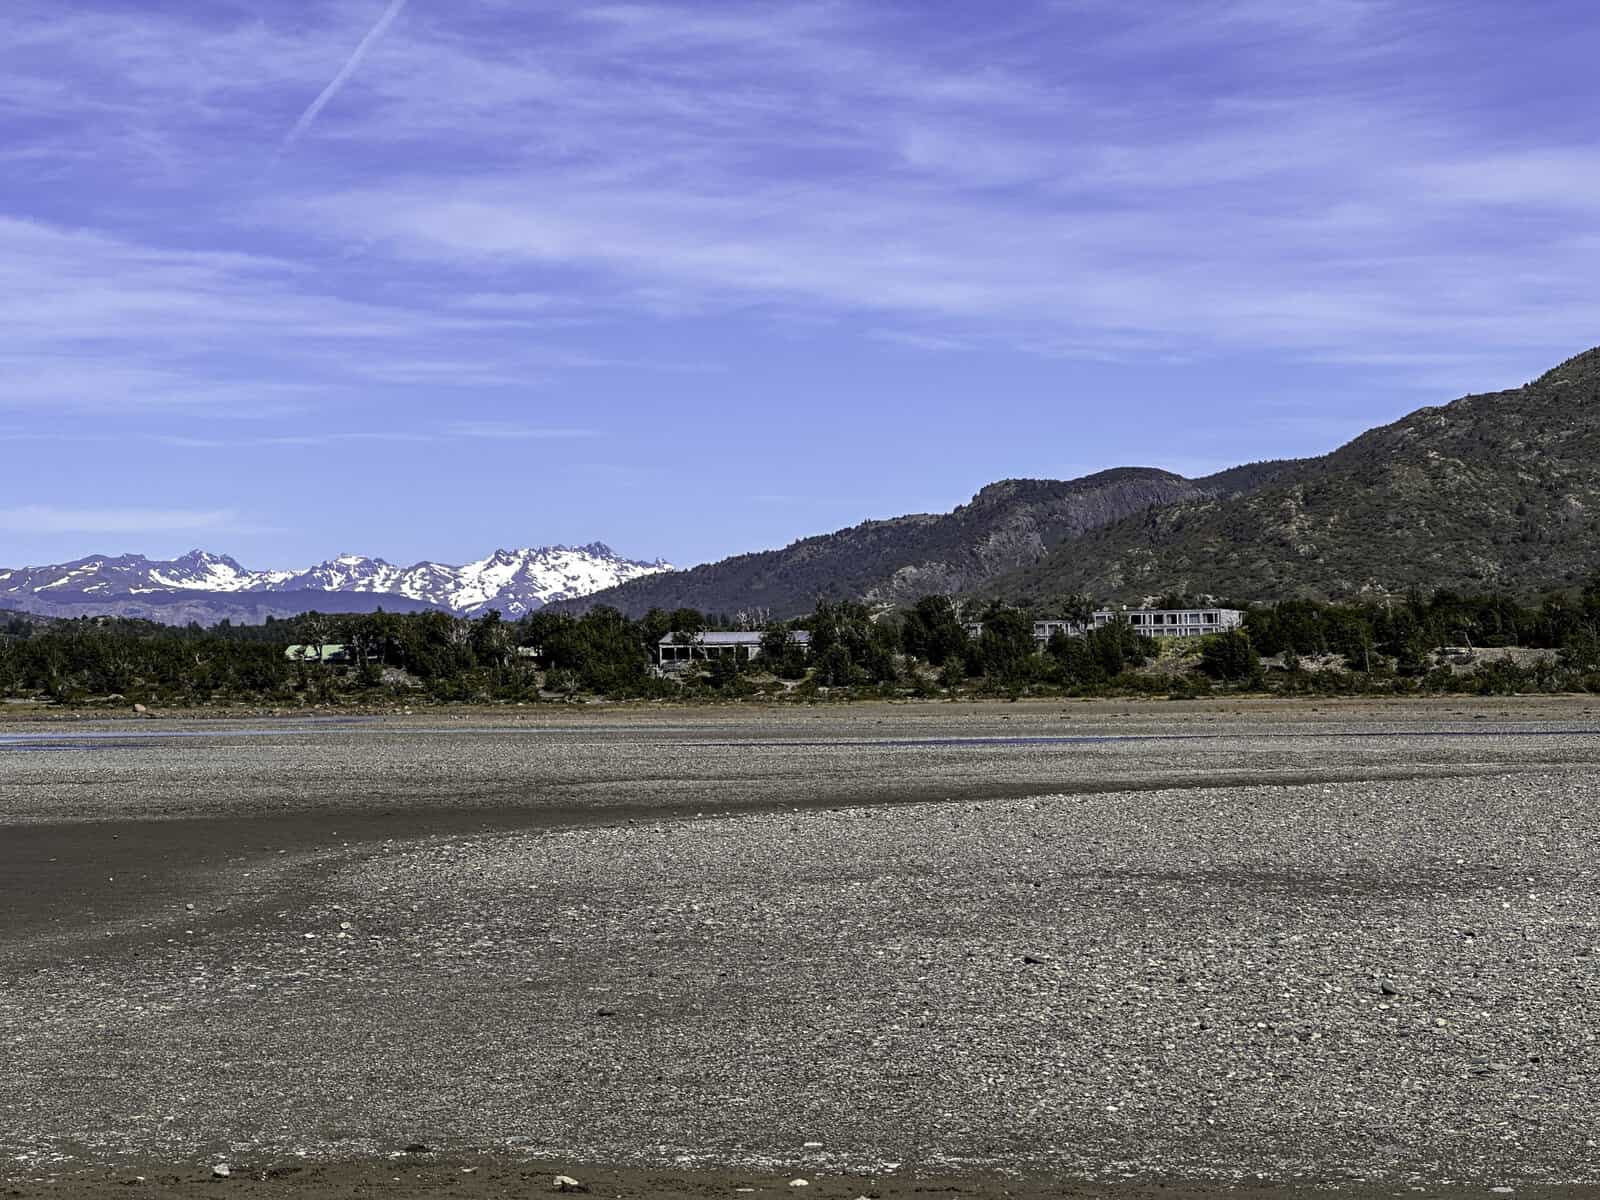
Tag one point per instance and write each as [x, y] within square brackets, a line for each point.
[936, 646]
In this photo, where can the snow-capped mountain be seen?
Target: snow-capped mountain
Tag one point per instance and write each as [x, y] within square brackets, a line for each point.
[513, 582]
[133, 574]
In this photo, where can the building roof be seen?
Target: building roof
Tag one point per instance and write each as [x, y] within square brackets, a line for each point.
[321, 653]
[740, 638]
[1198, 608]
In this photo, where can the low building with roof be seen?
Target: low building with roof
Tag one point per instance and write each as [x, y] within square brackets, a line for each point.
[325, 652]
[680, 649]
[1151, 622]
[1173, 622]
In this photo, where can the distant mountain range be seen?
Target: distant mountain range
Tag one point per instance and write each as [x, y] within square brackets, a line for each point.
[209, 587]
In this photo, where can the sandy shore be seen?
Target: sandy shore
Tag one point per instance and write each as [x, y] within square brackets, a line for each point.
[1003, 947]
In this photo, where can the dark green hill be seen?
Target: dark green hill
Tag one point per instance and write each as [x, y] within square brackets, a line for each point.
[1493, 491]
[1005, 526]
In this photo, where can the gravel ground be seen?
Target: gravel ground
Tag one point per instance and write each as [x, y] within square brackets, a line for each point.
[1359, 943]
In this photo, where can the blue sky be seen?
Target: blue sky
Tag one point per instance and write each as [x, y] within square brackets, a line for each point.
[286, 278]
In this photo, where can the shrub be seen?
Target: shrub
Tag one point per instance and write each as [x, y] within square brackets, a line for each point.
[1231, 658]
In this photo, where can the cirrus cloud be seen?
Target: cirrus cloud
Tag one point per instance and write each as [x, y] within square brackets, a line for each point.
[49, 519]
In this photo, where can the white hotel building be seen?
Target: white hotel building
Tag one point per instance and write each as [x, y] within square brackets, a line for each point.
[1152, 622]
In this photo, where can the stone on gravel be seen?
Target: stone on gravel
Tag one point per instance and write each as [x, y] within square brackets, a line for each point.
[1218, 913]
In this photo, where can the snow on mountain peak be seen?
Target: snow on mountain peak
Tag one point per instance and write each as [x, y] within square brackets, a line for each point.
[197, 571]
[513, 582]
[519, 581]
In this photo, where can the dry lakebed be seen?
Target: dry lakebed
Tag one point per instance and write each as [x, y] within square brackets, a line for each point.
[1024, 949]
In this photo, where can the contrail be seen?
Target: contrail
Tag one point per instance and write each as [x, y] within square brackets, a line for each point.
[343, 77]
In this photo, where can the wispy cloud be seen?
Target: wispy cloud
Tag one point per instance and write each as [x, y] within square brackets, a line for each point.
[998, 201]
[301, 440]
[919, 341]
[493, 431]
[95, 321]
[462, 431]
[465, 431]
[48, 519]
[1067, 176]
[517, 303]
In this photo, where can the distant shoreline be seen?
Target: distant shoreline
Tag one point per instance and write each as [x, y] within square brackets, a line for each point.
[578, 710]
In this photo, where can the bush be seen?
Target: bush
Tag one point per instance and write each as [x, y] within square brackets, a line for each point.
[1004, 650]
[561, 681]
[1230, 658]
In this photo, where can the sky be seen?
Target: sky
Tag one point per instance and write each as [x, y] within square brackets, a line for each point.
[420, 279]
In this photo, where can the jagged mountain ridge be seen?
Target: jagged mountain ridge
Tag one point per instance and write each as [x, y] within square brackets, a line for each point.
[1005, 526]
[512, 582]
[1495, 491]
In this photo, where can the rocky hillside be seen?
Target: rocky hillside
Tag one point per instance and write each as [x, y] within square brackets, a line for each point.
[1005, 526]
[1493, 491]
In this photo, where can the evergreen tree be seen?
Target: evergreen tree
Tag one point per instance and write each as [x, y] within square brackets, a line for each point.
[1005, 648]
[1231, 658]
[932, 632]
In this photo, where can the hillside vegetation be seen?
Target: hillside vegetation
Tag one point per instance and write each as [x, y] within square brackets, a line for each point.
[1499, 492]
[1007, 525]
